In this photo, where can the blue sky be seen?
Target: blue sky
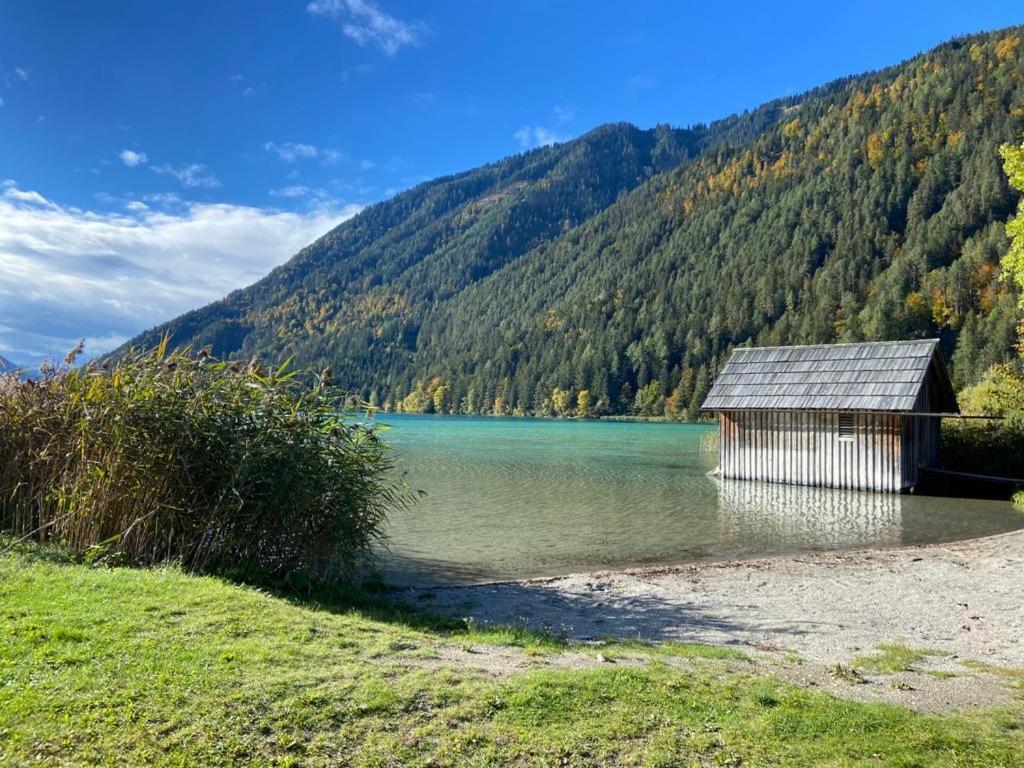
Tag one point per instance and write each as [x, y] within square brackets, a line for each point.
[154, 156]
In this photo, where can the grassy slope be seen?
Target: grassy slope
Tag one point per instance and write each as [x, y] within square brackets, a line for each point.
[130, 667]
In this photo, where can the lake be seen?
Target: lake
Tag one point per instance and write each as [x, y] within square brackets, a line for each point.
[513, 498]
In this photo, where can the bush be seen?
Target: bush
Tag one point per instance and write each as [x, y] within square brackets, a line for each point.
[999, 393]
[223, 467]
[989, 447]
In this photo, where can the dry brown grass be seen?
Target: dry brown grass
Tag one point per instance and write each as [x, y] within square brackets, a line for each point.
[225, 467]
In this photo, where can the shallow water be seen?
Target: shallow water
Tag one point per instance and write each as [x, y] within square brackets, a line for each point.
[513, 498]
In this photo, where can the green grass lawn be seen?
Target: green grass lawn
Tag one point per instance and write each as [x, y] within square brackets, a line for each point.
[137, 667]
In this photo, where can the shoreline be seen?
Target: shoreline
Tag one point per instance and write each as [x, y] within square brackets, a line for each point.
[962, 599]
[710, 562]
[380, 414]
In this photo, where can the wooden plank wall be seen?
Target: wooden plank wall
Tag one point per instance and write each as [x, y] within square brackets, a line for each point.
[804, 448]
[920, 436]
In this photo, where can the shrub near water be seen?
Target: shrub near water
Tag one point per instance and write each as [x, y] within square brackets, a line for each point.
[989, 447]
[223, 467]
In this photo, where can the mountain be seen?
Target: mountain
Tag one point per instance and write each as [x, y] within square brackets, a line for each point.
[627, 263]
[6, 366]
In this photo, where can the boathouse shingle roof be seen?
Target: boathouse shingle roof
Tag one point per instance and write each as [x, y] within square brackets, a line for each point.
[875, 376]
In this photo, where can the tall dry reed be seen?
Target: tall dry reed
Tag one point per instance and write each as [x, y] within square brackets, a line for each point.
[222, 466]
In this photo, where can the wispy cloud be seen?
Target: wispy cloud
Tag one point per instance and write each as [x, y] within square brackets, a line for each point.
[165, 199]
[292, 152]
[12, 77]
[131, 158]
[563, 113]
[531, 136]
[26, 196]
[247, 86]
[294, 190]
[350, 73]
[189, 174]
[366, 24]
[67, 272]
[331, 156]
[317, 198]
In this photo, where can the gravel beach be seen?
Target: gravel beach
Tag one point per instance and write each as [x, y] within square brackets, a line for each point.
[809, 619]
[965, 599]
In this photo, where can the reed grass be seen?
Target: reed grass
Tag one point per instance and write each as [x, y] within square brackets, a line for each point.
[224, 467]
[710, 441]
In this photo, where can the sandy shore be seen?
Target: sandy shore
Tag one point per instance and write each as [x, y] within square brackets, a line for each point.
[965, 599]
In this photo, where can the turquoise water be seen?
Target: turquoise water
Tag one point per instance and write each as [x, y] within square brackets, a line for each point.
[513, 498]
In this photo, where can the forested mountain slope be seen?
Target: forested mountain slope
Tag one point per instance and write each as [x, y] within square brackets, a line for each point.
[359, 291]
[613, 273]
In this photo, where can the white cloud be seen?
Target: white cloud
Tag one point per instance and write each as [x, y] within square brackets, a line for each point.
[190, 174]
[248, 89]
[366, 24]
[530, 136]
[16, 195]
[131, 158]
[66, 273]
[166, 199]
[330, 156]
[564, 113]
[12, 77]
[296, 190]
[291, 152]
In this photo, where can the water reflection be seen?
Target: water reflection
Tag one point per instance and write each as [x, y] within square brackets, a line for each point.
[779, 516]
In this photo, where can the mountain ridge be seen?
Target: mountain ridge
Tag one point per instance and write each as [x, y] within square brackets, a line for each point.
[626, 263]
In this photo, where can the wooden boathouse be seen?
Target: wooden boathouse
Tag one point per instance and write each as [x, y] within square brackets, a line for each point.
[862, 416]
